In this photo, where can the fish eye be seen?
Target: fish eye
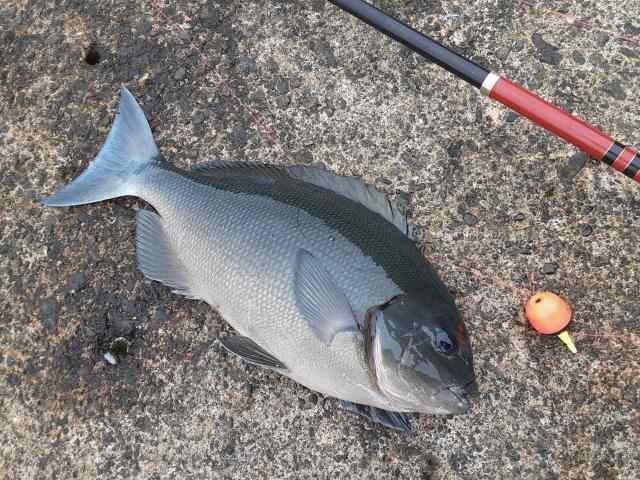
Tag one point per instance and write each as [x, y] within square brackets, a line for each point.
[444, 343]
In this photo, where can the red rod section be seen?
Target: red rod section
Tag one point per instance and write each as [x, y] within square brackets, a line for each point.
[573, 129]
[548, 116]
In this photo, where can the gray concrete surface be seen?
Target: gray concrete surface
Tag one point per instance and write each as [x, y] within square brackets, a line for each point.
[497, 203]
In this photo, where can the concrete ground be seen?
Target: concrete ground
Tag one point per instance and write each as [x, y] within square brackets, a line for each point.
[501, 208]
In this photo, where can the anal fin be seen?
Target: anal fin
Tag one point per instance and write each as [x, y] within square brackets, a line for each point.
[157, 259]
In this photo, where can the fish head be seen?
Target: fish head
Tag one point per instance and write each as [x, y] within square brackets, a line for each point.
[420, 355]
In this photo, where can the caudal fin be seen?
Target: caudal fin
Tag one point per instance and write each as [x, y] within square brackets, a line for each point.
[129, 146]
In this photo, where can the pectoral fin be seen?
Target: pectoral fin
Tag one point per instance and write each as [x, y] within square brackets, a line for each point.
[322, 303]
[250, 351]
[395, 420]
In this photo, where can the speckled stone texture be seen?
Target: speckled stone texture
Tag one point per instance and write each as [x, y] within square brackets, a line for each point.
[501, 209]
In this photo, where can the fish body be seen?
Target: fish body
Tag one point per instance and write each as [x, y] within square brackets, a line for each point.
[241, 250]
[302, 263]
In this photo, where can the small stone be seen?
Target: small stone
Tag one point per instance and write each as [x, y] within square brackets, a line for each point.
[598, 60]
[230, 448]
[92, 250]
[323, 49]
[615, 90]
[283, 101]
[602, 38]
[518, 217]
[197, 118]
[258, 97]
[49, 314]
[313, 398]
[310, 102]
[13, 380]
[303, 156]
[573, 167]
[587, 230]
[472, 199]
[281, 86]
[550, 268]
[120, 324]
[111, 360]
[518, 45]
[408, 451]
[77, 281]
[469, 219]
[511, 117]
[629, 52]
[247, 65]
[211, 18]
[454, 149]
[179, 73]
[248, 389]
[416, 187]
[83, 373]
[239, 136]
[631, 29]
[548, 53]
[161, 316]
[578, 58]
[600, 262]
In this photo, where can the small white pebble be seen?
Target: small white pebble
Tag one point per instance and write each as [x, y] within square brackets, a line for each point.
[110, 358]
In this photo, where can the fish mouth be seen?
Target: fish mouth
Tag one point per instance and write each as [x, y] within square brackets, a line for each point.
[457, 397]
[469, 389]
[451, 400]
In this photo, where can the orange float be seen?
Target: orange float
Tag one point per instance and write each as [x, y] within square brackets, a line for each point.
[550, 314]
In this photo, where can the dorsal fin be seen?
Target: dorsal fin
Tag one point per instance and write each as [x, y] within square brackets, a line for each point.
[355, 189]
[225, 168]
[350, 187]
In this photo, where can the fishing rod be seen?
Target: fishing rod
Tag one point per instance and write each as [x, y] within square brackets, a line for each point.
[576, 131]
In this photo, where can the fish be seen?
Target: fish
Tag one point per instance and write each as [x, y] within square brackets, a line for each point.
[317, 273]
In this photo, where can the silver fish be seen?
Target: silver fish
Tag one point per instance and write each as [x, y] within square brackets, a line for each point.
[317, 273]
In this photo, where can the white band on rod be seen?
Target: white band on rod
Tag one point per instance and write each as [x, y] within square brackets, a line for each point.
[489, 83]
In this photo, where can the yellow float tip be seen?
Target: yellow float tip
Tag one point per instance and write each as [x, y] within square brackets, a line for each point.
[568, 341]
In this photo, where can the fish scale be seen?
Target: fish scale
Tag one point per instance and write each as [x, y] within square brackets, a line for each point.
[240, 250]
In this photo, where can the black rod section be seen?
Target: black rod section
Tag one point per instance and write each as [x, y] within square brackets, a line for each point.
[416, 41]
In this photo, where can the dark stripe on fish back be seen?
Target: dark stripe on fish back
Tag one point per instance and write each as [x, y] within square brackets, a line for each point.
[374, 235]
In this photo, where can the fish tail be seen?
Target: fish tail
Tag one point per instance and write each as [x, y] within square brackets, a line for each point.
[129, 147]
